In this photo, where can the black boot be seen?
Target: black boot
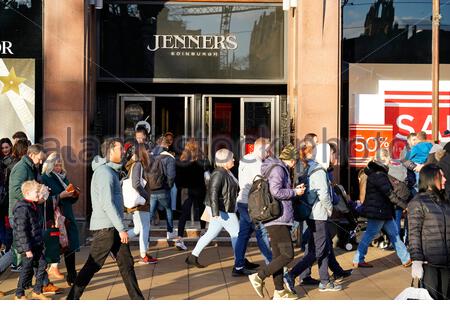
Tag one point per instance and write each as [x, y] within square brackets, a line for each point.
[193, 261]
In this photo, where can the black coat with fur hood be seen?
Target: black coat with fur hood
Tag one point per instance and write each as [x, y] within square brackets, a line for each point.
[380, 197]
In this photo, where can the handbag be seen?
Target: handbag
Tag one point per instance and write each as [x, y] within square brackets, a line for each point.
[132, 198]
[206, 216]
[60, 223]
[413, 293]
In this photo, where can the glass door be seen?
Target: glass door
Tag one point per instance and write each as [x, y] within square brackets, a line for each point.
[257, 121]
[235, 122]
[132, 109]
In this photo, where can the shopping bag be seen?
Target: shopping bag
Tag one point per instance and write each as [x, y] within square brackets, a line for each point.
[413, 293]
[51, 244]
[60, 223]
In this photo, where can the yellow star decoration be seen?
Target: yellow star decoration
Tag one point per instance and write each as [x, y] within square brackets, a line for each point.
[11, 82]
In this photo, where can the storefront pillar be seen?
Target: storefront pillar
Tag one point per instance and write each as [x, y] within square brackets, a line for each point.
[64, 107]
[314, 83]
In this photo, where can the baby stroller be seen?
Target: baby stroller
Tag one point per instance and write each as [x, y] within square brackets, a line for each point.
[344, 226]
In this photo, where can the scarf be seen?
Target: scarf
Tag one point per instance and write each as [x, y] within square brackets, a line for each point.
[61, 176]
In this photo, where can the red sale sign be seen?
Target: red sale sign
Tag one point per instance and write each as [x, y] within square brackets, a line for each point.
[366, 140]
[411, 111]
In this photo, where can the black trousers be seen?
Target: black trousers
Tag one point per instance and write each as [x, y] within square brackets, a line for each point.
[104, 242]
[190, 197]
[318, 249]
[282, 254]
[437, 282]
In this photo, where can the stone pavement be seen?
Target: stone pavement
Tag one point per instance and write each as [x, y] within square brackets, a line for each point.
[171, 279]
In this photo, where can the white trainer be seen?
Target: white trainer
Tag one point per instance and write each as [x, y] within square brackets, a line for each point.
[180, 245]
[257, 283]
[171, 235]
[284, 295]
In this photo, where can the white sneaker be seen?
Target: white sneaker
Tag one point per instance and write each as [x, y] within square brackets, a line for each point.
[180, 245]
[284, 295]
[171, 235]
[257, 284]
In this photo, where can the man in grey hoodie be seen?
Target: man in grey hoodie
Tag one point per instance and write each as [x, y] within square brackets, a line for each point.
[109, 234]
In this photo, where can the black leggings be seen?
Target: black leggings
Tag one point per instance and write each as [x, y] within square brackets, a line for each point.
[191, 198]
[69, 260]
[282, 254]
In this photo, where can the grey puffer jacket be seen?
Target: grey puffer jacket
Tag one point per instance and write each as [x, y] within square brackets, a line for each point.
[281, 189]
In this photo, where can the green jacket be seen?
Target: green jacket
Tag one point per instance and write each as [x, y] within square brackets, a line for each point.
[24, 170]
[65, 205]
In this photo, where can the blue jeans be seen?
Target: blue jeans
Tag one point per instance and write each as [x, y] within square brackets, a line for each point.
[398, 219]
[373, 228]
[141, 221]
[163, 199]
[38, 263]
[228, 221]
[246, 228]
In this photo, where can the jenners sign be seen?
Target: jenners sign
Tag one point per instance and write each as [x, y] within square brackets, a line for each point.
[193, 42]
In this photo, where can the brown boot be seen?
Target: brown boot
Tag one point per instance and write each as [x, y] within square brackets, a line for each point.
[2, 294]
[39, 296]
[53, 272]
[20, 298]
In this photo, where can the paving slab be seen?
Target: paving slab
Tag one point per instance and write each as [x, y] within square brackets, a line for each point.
[172, 279]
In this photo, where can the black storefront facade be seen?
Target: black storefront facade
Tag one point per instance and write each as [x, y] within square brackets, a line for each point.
[215, 71]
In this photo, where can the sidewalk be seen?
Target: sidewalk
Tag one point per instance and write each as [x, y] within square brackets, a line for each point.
[170, 279]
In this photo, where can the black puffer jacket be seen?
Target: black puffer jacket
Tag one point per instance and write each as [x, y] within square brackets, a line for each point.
[222, 192]
[27, 230]
[380, 198]
[429, 229]
[444, 164]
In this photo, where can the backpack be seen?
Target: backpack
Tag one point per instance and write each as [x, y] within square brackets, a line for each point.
[302, 207]
[262, 206]
[156, 177]
[400, 189]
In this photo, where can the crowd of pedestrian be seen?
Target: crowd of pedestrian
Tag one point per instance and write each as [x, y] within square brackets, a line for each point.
[405, 198]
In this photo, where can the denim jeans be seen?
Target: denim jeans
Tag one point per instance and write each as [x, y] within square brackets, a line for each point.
[373, 228]
[246, 228]
[228, 221]
[162, 199]
[141, 221]
[106, 241]
[398, 219]
[5, 234]
[35, 265]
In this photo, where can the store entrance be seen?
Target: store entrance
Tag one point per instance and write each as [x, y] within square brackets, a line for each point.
[236, 122]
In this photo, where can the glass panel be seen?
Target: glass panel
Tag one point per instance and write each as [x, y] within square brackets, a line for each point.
[225, 125]
[170, 117]
[134, 110]
[191, 41]
[382, 31]
[257, 123]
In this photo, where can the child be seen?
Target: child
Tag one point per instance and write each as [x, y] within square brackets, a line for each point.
[419, 152]
[29, 241]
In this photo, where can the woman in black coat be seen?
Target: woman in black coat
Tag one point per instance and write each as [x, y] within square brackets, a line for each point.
[379, 210]
[429, 233]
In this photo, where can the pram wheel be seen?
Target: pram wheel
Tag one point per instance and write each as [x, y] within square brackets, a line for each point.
[349, 247]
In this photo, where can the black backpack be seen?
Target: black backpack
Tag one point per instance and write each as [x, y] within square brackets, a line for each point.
[156, 177]
[262, 206]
